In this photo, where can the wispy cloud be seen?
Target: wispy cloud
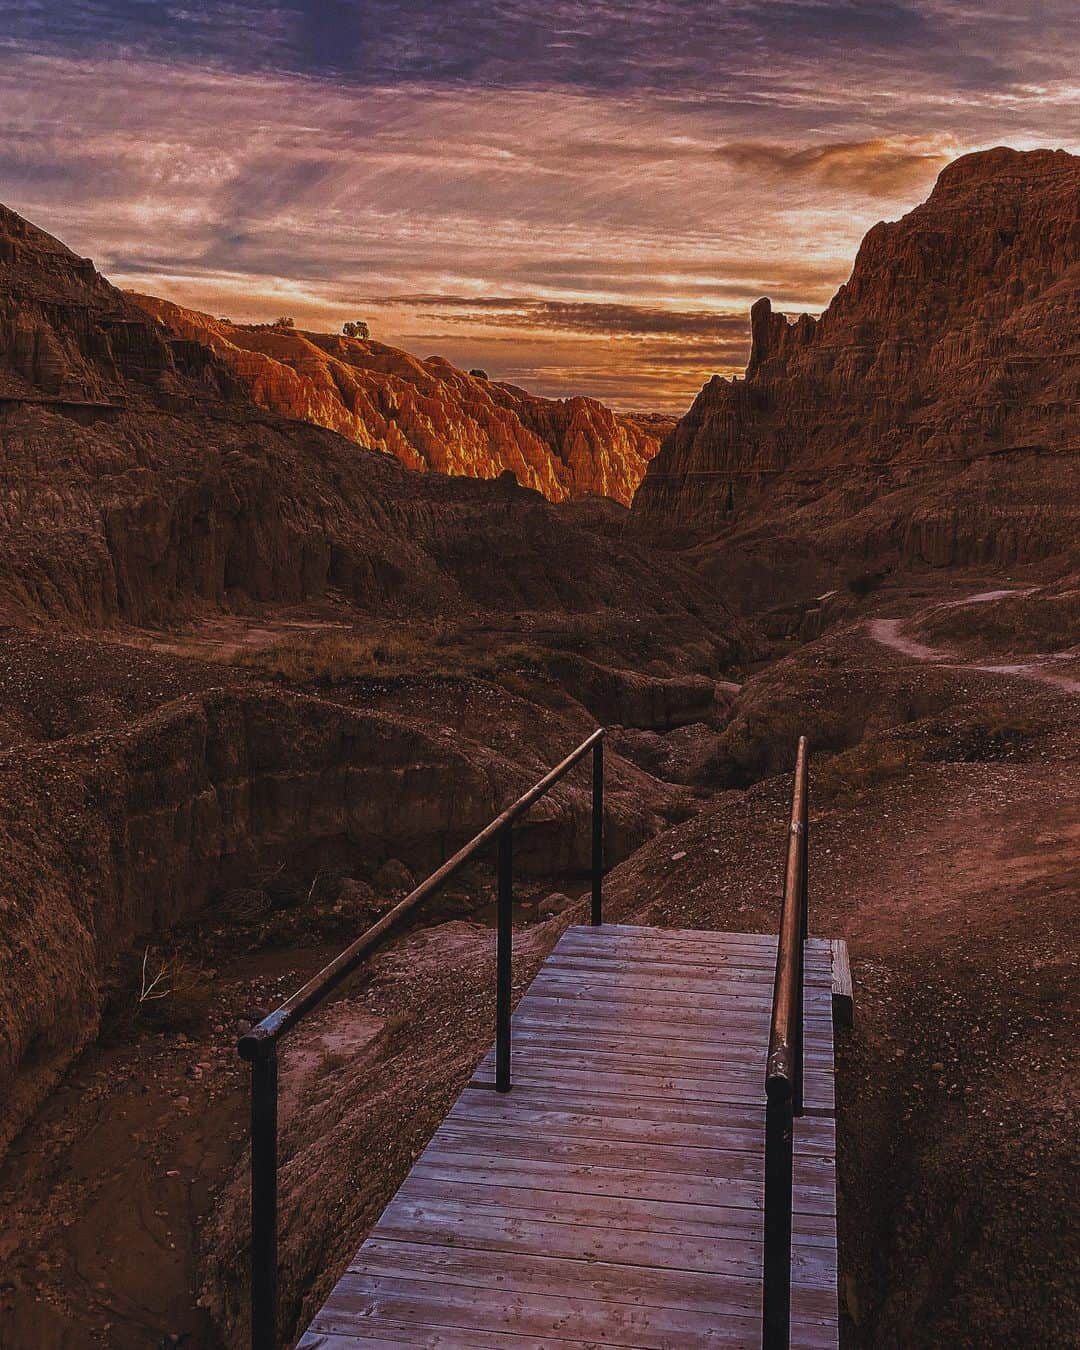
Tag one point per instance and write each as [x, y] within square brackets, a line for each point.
[582, 195]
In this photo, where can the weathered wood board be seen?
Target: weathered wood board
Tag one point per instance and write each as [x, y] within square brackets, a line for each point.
[613, 1196]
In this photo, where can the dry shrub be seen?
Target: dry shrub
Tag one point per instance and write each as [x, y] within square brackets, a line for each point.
[333, 658]
[161, 990]
[394, 1033]
[864, 766]
[330, 658]
[992, 732]
[867, 581]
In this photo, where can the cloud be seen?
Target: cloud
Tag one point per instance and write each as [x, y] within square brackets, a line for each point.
[581, 317]
[881, 167]
[535, 182]
[594, 45]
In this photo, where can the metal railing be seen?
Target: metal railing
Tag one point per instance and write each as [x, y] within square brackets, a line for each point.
[784, 1069]
[259, 1045]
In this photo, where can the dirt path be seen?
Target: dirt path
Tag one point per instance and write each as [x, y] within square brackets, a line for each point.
[1035, 666]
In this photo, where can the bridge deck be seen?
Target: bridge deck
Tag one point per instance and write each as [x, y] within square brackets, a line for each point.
[614, 1196]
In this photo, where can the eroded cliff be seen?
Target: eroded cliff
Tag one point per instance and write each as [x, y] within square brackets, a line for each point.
[427, 413]
[141, 489]
[931, 413]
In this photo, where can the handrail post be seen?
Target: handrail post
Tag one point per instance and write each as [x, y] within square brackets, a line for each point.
[504, 957]
[803, 814]
[784, 1069]
[598, 835]
[779, 1173]
[264, 1102]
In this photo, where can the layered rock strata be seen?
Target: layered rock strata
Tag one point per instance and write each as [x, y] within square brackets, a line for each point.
[931, 413]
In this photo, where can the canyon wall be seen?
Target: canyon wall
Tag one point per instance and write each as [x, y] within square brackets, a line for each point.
[139, 482]
[932, 412]
[141, 488]
[427, 413]
[116, 835]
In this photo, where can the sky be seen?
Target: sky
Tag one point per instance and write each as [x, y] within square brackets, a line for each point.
[579, 196]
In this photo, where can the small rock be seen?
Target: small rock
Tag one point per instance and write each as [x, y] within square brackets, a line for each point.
[555, 903]
[395, 877]
[356, 899]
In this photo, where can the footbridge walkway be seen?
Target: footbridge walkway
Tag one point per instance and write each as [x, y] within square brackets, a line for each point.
[646, 1156]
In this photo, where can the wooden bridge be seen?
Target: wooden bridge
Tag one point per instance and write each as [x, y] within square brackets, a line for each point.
[653, 1167]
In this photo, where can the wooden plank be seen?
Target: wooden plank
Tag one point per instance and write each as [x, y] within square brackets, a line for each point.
[653, 1015]
[613, 1197]
[649, 1121]
[715, 945]
[626, 1183]
[664, 947]
[611, 1118]
[689, 1047]
[702, 935]
[681, 991]
[479, 1307]
[679, 960]
[736, 1255]
[708, 1050]
[528, 1272]
[704, 1164]
[843, 991]
[466, 1308]
[371, 1331]
[422, 1199]
[572, 1043]
[743, 1085]
[660, 940]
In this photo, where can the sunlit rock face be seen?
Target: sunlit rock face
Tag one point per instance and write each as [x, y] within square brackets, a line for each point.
[933, 411]
[427, 413]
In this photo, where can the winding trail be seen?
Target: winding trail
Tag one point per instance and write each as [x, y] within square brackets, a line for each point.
[1037, 666]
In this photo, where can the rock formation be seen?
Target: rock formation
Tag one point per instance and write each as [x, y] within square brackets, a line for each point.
[429, 414]
[932, 413]
[140, 487]
[140, 482]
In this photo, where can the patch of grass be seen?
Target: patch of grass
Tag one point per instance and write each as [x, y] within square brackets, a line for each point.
[330, 658]
[335, 658]
[867, 765]
[334, 1061]
[989, 733]
[394, 1033]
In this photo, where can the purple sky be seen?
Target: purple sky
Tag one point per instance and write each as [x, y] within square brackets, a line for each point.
[580, 197]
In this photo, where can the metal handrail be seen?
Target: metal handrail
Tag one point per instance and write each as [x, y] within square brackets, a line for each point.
[784, 1068]
[259, 1045]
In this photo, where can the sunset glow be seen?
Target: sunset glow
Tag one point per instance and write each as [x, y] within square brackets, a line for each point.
[581, 199]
